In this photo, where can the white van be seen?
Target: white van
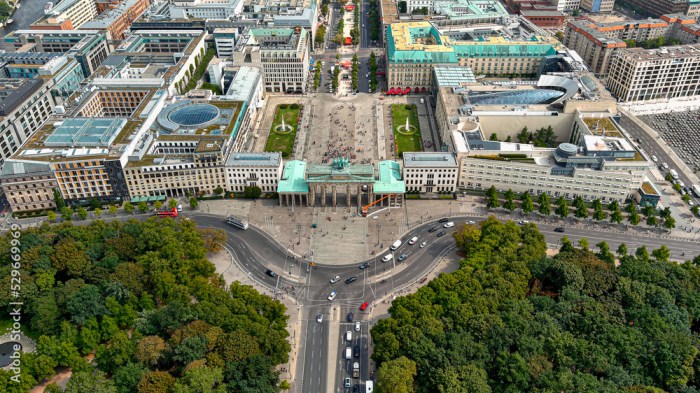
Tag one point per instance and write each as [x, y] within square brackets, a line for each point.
[348, 336]
[413, 240]
[396, 245]
[348, 353]
[179, 208]
[387, 257]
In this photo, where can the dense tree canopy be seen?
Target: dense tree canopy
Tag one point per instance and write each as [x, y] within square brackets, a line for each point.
[514, 320]
[143, 298]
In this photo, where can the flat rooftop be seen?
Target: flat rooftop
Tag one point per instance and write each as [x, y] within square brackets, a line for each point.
[271, 160]
[429, 160]
[93, 132]
[13, 92]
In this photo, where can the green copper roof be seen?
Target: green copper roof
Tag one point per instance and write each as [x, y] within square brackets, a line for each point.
[389, 179]
[293, 178]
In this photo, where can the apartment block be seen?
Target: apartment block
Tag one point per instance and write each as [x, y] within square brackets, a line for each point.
[656, 8]
[430, 172]
[637, 74]
[67, 15]
[118, 18]
[253, 170]
[282, 54]
[566, 5]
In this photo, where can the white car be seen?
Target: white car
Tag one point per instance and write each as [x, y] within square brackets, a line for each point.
[653, 158]
[357, 326]
[387, 257]
[423, 244]
[470, 222]
[664, 165]
[413, 240]
[319, 318]
[449, 225]
[335, 279]
[680, 183]
[332, 295]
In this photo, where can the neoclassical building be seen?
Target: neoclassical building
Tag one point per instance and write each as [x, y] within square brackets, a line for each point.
[308, 184]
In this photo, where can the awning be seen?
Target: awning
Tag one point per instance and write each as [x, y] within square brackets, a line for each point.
[407, 90]
[152, 198]
[391, 92]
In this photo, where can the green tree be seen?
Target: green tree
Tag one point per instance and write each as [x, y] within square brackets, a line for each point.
[67, 213]
[509, 203]
[523, 136]
[562, 207]
[128, 207]
[89, 381]
[85, 304]
[82, 213]
[583, 243]
[652, 221]
[614, 205]
[622, 250]
[113, 210]
[149, 350]
[600, 214]
[634, 218]
[685, 198]
[143, 207]
[560, 36]
[127, 378]
[668, 177]
[156, 382]
[284, 385]
[396, 376]
[662, 254]
[492, 198]
[566, 245]
[493, 137]
[604, 252]
[545, 207]
[51, 216]
[616, 216]
[98, 212]
[252, 192]
[57, 197]
[695, 210]
[527, 206]
[157, 205]
[581, 208]
[193, 203]
[218, 191]
[172, 203]
[669, 222]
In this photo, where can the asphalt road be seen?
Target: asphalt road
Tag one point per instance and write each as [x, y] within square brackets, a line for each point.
[256, 252]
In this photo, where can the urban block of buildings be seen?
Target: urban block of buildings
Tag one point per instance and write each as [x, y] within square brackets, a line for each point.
[597, 43]
[414, 48]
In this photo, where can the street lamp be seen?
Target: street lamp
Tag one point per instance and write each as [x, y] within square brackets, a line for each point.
[379, 227]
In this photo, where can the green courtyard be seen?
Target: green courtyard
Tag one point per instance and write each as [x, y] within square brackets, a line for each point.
[406, 140]
[282, 140]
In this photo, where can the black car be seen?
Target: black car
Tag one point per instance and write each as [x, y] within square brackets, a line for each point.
[402, 257]
[357, 351]
[444, 220]
[271, 273]
[441, 233]
[559, 229]
[432, 229]
[350, 279]
[350, 316]
[356, 389]
[364, 266]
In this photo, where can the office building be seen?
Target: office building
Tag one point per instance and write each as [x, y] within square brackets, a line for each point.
[598, 6]
[247, 87]
[28, 186]
[566, 5]
[591, 164]
[186, 150]
[67, 15]
[282, 54]
[430, 172]
[544, 18]
[118, 18]
[25, 105]
[205, 9]
[413, 48]
[637, 74]
[253, 170]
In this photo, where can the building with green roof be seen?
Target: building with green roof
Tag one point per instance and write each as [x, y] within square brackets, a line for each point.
[316, 181]
[413, 48]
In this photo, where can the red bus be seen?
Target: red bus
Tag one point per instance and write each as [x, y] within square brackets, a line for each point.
[167, 213]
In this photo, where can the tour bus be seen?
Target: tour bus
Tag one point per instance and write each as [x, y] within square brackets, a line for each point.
[167, 213]
[237, 222]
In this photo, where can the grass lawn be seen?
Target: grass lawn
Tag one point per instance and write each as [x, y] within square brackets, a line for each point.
[406, 143]
[279, 141]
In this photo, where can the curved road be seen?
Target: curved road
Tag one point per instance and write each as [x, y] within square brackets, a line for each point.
[255, 252]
